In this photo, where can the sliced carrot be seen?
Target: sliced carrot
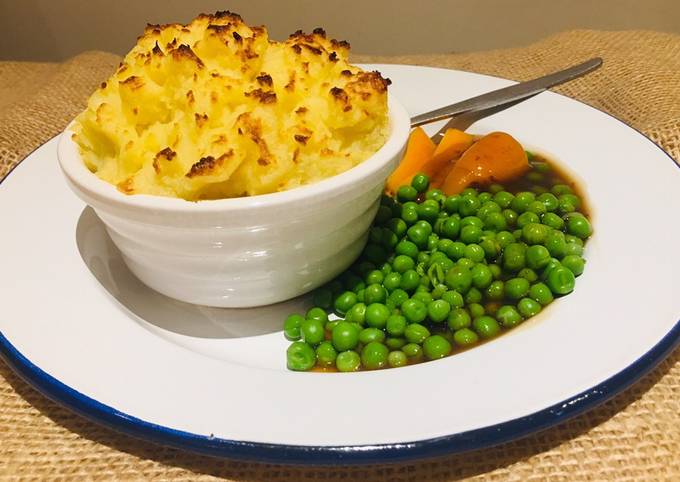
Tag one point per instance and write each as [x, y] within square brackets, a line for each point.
[454, 143]
[419, 151]
[496, 157]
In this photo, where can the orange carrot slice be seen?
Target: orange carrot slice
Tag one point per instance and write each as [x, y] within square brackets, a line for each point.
[454, 143]
[496, 157]
[419, 151]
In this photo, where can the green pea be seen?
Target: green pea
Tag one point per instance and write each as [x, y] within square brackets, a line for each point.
[456, 250]
[326, 354]
[357, 313]
[514, 257]
[508, 316]
[484, 197]
[428, 210]
[471, 221]
[476, 310]
[573, 240]
[578, 226]
[397, 226]
[503, 199]
[481, 276]
[549, 200]
[423, 257]
[516, 288]
[486, 327]
[409, 213]
[527, 218]
[451, 204]
[473, 295]
[469, 191]
[459, 278]
[345, 336]
[495, 188]
[416, 333]
[397, 297]
[459, 318]
[561, 280]
[474, 252]
[368, 335]
[397, 358]
[534, 233]
[348, 361]
[528, 307]
[414, 311]
[470, 234]
[469, 205]
[374, 277]
[559, 189]
[334, 287]
[503, 238]
[406, 193]
[521, 201]
[389, 239]
[517, 233]
[540, 293]
[465, 337]
[375, 293]
[575, 263]
[495, 221]
[396, 324]
[438, 310]
[537, 256]
[436, 195]
[537, 207]
[312, 331]
[376, 315]
[345, 301]
[556, 244]
[375, 234]
[510, 217]
[317, 313]
[528, 274]
[552, 220]
[409, 280]
[570, 198]
[436, 346]
[432, 241]
[418, 234]
[395, 343]
[291, 327]
[453, 298]
[413, 351]
[406, 248]
[420, 182]
[392, 281]
[424, 297]
[300, 356]
[574, 249]
[496, 270]
[495, 291]
[490, 247]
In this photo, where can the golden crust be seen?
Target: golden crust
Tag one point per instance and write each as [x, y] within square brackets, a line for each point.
[214, 108]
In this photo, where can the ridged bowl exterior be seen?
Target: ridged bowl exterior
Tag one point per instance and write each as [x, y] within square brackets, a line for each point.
[242, 252]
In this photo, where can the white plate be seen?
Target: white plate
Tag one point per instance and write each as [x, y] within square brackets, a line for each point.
[78, 326]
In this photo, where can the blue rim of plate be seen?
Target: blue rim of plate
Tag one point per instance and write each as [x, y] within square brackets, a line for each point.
[343, 454]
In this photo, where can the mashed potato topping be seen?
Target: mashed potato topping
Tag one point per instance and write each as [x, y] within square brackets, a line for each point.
[215, 109]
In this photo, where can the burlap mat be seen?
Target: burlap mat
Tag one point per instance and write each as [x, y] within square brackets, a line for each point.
[635, 436]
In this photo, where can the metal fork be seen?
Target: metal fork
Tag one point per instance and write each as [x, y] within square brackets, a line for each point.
[465, 113]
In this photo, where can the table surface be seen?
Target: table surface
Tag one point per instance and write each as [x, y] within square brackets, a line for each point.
[634, 436]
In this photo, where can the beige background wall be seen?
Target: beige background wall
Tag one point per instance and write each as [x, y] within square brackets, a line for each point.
[57, 29]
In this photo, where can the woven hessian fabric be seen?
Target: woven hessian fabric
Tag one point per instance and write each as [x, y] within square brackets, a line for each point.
[635, 436]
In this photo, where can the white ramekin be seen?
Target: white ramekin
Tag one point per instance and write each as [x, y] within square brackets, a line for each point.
[242, 252]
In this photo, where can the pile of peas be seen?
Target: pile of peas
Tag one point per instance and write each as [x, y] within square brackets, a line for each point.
[443, 273]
